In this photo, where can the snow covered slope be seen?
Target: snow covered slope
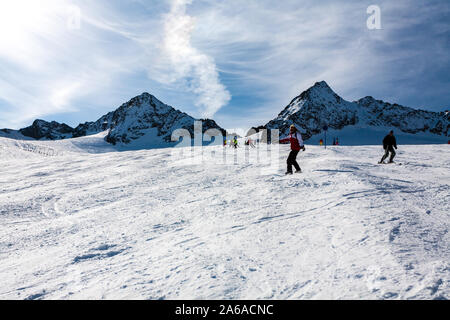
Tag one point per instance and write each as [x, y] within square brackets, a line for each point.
[320, 105]
[151, 224]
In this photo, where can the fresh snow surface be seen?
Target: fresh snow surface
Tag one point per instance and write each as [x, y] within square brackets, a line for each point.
[80, 220]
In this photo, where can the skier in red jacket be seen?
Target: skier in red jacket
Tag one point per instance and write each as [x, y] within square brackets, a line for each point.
[295, 138]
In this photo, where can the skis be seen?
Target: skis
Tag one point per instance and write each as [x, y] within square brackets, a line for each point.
[397, 163]
[291, 174]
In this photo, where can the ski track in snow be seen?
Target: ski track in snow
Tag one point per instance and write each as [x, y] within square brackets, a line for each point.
[132, 225]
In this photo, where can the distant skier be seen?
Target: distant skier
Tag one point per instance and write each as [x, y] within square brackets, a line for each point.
[235, 142]
[295, 138]
[389, 143]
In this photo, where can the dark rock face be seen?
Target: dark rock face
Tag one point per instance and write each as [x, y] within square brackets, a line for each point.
[41, 129]
[406, 119]
[320, 105]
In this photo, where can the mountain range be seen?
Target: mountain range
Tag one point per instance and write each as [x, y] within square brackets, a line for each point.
[320, 106]
[145, 118]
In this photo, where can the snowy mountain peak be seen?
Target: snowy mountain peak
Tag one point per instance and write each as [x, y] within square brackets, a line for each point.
[313, 108]
[148, 101]
[320, 105]
[321, 91]
[319, 94]
[147, 119]
[321, 86]
[144, 97]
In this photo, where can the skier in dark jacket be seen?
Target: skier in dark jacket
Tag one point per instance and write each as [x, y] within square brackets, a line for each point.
[389, 143]
[295, 138]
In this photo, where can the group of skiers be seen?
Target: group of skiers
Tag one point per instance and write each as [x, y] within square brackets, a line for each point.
[232, 143]
[297, 145]
[335, 142]
[249, 142]
[235, 144]
[296, 141]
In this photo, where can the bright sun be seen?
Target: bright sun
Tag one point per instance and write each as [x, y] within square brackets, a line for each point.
[23, 21]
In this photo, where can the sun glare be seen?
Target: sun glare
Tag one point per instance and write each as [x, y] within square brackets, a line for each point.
[24, 22]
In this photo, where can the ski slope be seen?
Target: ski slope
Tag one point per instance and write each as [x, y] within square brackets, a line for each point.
[80, 220]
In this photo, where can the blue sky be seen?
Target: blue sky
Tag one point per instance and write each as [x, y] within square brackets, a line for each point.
[239, 62]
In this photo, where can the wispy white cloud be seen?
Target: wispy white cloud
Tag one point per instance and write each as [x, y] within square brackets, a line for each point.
[197, 69]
